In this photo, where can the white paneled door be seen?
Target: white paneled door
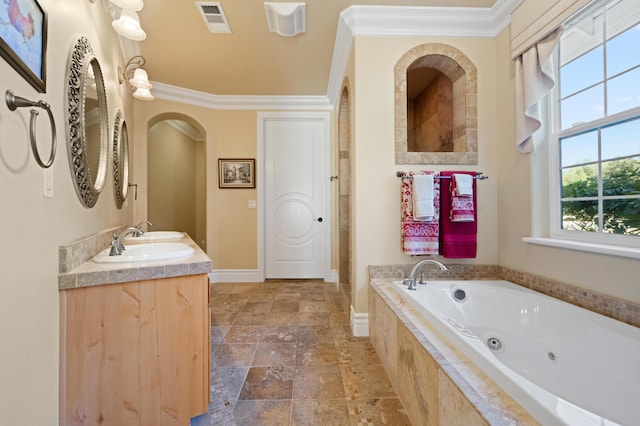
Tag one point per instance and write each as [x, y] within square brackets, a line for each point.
[296, 172]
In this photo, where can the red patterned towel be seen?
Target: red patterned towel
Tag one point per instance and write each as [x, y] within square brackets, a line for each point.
[419, 238]
[462, 207]
[458, 240]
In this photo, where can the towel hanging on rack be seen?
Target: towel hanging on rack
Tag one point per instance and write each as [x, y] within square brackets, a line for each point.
[462, 206]
[419, 238]
[422, 196]
[458, 240]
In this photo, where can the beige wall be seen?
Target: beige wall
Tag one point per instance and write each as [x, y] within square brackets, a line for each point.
[376, 220]
[33, 226]
[231, 236]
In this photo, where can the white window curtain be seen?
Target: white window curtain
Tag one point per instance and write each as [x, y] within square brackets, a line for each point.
[534, 79]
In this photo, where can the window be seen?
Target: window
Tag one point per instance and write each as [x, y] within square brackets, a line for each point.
[596, 116]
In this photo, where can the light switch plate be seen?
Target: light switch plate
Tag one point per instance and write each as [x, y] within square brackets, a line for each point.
[47, 190]
[253, 204]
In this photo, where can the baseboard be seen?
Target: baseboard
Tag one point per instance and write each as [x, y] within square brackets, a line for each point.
[331, 276]
[234, 276]
[252, 276]
[359, 323]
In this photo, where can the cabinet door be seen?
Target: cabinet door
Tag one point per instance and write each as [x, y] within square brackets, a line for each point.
[135, 353]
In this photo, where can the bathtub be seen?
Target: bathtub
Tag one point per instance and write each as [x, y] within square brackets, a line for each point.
[565, 365]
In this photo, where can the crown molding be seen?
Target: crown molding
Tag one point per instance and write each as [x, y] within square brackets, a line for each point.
[429, 21]
[422, 21]
[412, 22]
[208, 100]
[341, 53]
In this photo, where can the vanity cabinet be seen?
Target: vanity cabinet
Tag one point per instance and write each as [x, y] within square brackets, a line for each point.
[135, 353]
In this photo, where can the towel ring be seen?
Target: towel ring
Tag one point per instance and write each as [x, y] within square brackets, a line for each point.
[14, 102]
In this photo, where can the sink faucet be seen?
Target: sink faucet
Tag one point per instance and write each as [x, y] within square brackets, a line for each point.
[139, 228]
[117, 247]
[414, 272]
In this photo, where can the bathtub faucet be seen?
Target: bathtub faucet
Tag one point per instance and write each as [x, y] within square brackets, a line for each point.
[414, 272]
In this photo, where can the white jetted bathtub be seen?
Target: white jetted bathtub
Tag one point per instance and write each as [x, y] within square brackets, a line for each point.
[563, 364]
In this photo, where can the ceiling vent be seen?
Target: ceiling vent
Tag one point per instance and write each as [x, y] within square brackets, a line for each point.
[286, 19]
[214, 17]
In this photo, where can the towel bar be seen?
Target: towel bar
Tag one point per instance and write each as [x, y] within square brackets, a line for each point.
[478, 175]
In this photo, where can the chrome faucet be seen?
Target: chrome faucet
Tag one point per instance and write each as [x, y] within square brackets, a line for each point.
[411, 281]
[139, 228]
[117, 246]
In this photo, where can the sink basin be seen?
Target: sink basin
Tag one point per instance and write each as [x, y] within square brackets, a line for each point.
[155, 236]
[146, 253]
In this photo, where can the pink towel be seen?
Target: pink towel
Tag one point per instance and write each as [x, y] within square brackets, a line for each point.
[462, 207]
[419, 238]
[458, 240]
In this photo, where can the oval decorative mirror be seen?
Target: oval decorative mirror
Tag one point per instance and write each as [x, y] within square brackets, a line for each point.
[87, 122]
[120, 159]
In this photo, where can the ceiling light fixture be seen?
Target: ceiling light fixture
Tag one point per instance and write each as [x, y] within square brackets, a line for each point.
[286, 19]
[136, 78]
[128, 24]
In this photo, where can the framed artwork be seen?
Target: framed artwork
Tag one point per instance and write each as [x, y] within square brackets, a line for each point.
[236, 173]
[23, 39]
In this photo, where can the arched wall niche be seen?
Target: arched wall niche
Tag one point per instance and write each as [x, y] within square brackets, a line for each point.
[436, 123]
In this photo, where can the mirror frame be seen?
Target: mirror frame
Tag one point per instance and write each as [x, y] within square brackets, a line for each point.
[120, 159]
[80, 59]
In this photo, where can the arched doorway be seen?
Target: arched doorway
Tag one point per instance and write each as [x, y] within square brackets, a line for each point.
[176, 168]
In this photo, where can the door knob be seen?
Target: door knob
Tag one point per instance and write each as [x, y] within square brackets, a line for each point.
[318, 219]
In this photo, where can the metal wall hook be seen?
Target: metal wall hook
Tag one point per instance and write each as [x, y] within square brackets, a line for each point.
[14, 102]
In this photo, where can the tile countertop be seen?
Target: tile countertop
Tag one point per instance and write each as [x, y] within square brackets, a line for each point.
[91, 273]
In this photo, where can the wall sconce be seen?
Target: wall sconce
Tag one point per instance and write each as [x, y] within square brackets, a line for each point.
[136, 78]
[128, 24]
[286, 19]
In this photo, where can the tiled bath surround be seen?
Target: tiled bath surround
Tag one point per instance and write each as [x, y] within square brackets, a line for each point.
[436, 383]
[621, 310]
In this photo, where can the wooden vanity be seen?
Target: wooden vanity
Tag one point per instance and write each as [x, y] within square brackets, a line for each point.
[135, 352]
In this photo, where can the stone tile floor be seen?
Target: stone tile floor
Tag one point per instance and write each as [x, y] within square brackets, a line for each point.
[282, 353]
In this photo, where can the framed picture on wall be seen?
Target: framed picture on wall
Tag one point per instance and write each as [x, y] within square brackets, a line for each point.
[236, 173]
[23, 39]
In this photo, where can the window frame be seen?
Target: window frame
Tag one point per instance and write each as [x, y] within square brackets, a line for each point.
[554, 134]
